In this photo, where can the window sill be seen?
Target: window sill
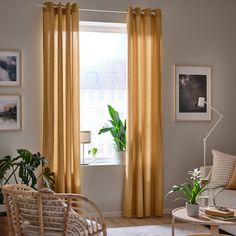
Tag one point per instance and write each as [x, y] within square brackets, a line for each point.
[102, 164]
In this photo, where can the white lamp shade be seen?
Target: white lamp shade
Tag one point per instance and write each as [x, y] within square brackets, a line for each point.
[201, 102]
[85, 136]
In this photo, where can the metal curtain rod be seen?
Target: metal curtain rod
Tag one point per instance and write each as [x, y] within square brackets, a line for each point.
[92, 10]
[96, 10]
[105, 11]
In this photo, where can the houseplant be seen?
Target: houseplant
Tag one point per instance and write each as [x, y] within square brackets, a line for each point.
[25, 168]
[93, 151]
[117, 129]
[191, 191]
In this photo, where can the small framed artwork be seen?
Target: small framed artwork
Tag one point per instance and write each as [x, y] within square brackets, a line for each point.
[192, 83]
[10, 71]
[10, 112]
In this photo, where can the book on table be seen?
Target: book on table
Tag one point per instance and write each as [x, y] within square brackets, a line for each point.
[213, 212]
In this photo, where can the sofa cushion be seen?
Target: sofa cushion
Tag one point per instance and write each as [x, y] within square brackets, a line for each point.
[222, 169]
[226, 198]
[232, 182]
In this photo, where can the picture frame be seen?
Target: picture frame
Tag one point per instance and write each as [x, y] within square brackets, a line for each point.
[10, 112]
[192, 82]
[10, 68]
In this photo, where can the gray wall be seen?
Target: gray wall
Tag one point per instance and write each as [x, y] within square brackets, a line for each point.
[194, 32]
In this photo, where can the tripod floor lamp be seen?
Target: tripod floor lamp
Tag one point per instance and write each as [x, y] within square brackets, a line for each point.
[85, 137]
[201, 103]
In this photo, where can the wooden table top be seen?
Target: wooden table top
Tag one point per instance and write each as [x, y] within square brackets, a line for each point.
[181, 214]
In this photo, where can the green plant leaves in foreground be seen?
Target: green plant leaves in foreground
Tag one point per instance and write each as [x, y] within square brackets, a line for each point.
[24, 169]
[193, 189]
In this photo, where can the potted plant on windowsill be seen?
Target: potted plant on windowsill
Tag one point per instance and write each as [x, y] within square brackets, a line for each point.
[117, 129]
[93, 151]
[191, 191]
[25, 168]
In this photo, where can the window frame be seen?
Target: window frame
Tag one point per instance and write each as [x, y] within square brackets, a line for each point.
[103, 27]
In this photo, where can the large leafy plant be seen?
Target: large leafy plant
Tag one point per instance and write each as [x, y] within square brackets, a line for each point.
[117, 128]
[193, 189]
[25, 168]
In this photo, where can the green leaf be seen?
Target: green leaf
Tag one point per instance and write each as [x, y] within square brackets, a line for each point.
[32, 178]
[114, 114]
[94, 151]
[48, 178]
[5, 164]
[117, 129]
[25, 165]
[193, 189]
[104, 130]
[25, 155]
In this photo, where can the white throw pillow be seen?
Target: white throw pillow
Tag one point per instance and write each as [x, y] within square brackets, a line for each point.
[222, 169]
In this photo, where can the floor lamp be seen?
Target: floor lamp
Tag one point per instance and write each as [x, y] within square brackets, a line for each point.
[85, 137]
[201, 103]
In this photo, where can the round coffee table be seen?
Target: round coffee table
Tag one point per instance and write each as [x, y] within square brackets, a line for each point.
[202, 219]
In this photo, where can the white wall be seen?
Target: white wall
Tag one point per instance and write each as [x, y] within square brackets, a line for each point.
[21, 29]
[104, 185]
[194, 32]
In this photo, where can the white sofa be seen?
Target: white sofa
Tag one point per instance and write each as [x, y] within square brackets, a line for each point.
[227, 198]
[222, 197]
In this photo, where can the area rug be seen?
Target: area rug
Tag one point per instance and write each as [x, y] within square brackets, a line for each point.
[157, 230]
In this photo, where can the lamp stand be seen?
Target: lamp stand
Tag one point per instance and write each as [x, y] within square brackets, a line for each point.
[85, 137]
[208, 134]
[83, 153]
[83, 162]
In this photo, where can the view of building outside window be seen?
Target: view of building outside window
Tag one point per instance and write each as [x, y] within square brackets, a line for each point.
[103, 73]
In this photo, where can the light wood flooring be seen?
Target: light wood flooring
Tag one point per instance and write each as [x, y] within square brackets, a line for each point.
[112, 222]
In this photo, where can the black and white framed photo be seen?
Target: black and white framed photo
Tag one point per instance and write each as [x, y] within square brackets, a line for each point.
[10, 68]
[10, 112]
[191, 83]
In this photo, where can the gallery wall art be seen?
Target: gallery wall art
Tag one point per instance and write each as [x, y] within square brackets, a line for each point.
[10, 112]
[10, 68]
[192, 82]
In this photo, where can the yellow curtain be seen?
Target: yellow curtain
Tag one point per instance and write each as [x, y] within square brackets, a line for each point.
[143, 193]
[61, 144]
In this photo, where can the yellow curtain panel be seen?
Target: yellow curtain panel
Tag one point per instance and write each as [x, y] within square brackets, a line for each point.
[143, 192]
[61, 144]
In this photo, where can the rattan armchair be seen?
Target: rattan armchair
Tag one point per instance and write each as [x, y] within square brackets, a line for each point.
[44, 212]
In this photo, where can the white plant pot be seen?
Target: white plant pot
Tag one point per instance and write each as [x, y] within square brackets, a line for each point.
[119, 157]
[2, 210]
[192, 209]
[2, 207]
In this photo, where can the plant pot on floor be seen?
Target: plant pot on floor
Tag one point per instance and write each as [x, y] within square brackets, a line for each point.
[3, 221]
[120, 157]
[3, 226]
[192, 209]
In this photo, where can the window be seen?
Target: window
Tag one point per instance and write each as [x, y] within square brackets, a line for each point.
[103, 50]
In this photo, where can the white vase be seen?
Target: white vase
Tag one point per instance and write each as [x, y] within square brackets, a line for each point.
[2, 210]
[119, 157]
[192, 209]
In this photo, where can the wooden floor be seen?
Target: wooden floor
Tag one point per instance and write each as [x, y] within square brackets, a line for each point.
[112, 222]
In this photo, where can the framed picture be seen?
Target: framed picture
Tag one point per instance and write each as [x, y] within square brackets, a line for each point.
[191, 83]
[10, 71]
[10, 112]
